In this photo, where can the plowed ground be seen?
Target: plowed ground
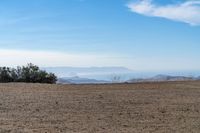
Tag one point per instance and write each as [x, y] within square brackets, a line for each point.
[167, 107]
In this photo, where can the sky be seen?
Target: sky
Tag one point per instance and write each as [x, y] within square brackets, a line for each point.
[143, 35]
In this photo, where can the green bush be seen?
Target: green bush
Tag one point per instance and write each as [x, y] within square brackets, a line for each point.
[29, 74]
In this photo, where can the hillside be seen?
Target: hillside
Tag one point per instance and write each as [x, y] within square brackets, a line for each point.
[78, 80]
[163, 78]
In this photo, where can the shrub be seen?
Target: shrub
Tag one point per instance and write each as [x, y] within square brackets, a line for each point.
[29, 74]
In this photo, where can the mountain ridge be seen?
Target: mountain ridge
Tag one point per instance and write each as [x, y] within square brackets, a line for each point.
[161, 77]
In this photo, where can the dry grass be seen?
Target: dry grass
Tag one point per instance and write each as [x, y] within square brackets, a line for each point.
[121, 108]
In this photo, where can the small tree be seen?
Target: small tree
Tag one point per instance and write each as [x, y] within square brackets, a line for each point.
[5, 74]
[30, 73]
[116, 78]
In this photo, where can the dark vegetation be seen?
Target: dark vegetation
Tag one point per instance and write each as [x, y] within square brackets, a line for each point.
[29, 74]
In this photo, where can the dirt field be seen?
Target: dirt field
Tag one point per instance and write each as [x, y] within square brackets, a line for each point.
[127, 108]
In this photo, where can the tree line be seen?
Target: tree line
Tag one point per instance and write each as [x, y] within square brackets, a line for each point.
[29, 74]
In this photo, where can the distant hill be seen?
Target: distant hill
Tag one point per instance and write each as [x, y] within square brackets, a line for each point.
[77, 75]
[87, 72]
[78, 80]
[158, 78]
[66, 71]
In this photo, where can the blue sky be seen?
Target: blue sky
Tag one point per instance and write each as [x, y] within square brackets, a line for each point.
[145, 35]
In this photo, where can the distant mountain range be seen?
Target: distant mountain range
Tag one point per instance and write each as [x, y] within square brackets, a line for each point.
[74, 71]
[97, 73]
[85, 75]
[159, 78]
[78, 80]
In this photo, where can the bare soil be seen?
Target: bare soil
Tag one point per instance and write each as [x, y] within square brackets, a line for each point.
[166, 107]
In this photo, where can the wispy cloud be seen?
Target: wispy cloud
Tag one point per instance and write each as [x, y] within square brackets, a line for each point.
[187, 12]
[50, 58]
[16, 57]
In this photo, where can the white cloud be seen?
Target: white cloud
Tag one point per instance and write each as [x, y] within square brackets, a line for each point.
[187, 12]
